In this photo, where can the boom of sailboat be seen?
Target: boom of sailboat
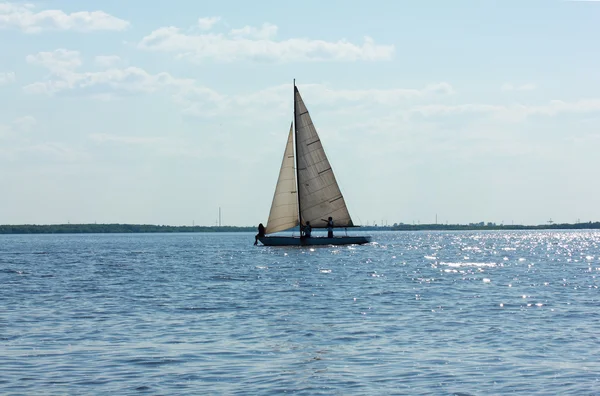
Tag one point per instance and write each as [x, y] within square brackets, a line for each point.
[306, 191]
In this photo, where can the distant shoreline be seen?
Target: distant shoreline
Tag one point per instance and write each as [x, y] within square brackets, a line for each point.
[112, 229]
[147, 228]
[479, 227]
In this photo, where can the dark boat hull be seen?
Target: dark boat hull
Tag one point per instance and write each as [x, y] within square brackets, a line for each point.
[314, 241]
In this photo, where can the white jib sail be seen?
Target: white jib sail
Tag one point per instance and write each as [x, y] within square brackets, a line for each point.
[319, 193]
[284, 209]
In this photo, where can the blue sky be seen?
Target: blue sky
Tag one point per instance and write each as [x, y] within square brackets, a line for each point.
[128, 112]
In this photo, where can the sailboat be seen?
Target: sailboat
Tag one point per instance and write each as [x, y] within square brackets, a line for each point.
[307, 191]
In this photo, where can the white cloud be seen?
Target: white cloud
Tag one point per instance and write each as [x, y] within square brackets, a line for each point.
[556, 107]
[58, 61]
[23, 17]
[63, 65]
[106, 61]
[128, 80]
[444, 110]
[251, 43]
[7, 78]
[265, 32]
[391, 96]
[198, 100]
[516, 112]
[513, 87]
[439, 88]
[203, 102]
[207, 23]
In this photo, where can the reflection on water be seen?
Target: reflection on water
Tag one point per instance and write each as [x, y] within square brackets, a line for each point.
[412, 313]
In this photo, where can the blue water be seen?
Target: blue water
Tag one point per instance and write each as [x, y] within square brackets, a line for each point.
[469, 313]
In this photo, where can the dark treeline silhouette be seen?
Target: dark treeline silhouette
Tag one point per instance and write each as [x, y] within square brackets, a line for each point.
[492, 226]
[111, 228]
[149, 228]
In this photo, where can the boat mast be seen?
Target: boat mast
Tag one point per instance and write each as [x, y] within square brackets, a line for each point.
[296, 157]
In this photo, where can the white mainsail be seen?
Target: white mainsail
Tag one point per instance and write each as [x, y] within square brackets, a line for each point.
[319, 194]
[284, 208]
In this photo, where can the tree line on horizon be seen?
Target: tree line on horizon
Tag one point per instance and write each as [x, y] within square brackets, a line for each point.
[112, 228]
[494, 226]
[149, 228]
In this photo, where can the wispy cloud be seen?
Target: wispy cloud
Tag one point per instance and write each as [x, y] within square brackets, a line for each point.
[198, 100]
[24, 17]
[57, 61]
[266, 32]
[64, 64]
[207, 23]
[104, 138]
[107, 60]
[202, 102]
[512, 87]
[433, 110]
[259, 44]
[65, 76]
[56, 151]
[511, 113]
[7, 78]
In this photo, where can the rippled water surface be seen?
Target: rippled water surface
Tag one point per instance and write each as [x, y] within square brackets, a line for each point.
[468, 313]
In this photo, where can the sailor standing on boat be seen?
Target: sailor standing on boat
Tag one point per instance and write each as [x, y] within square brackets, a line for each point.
[307, 229]
[329, 227]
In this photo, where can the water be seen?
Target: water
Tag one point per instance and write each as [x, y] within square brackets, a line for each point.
[468, 313]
